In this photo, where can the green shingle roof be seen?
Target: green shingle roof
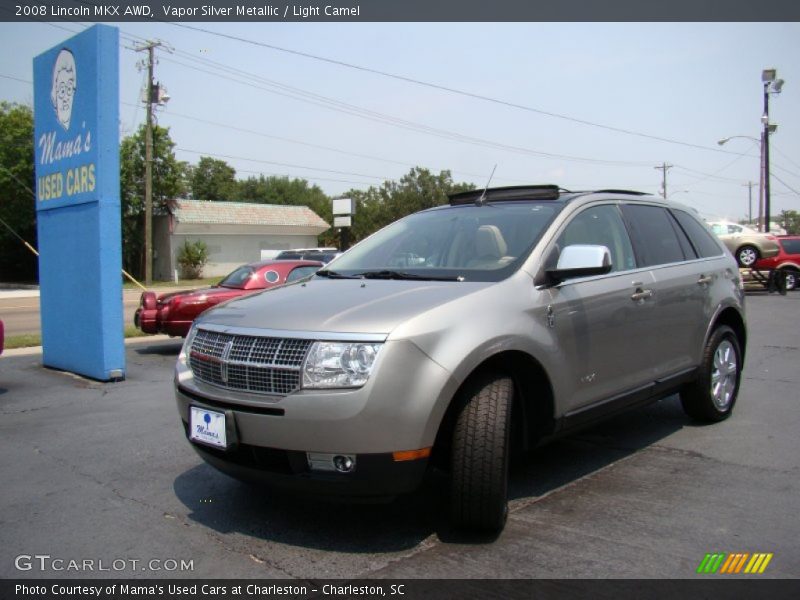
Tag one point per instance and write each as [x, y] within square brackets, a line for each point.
[245, 213]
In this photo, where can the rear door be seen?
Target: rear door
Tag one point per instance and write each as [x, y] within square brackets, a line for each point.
[681, 291]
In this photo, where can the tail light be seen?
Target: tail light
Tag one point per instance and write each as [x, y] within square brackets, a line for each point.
[149, 300]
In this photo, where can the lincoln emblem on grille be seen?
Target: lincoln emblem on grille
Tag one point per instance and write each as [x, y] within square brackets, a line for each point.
[223, 367]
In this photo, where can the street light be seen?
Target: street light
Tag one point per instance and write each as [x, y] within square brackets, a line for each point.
[772, 85]
[771, 129]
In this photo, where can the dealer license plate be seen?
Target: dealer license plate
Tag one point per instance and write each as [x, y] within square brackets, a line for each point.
[207, 427]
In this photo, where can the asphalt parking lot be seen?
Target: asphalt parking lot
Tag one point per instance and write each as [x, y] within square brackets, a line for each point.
[101, 472]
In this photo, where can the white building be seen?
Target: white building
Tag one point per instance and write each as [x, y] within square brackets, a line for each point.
[235, 233]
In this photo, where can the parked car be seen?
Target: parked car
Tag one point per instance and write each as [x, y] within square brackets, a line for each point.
[787, 260]
[747, 245]
[174, 312]
[324, 255]
[519, 314]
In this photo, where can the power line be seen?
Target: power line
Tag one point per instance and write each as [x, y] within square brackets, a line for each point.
[448, 89]
[339, 106]
[270, 162]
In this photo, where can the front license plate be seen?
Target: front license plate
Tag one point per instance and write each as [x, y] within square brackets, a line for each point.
[207, 427]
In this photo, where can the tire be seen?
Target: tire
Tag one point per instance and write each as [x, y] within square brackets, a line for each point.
[480, 455]
[711, 397]
[747, 256]
[791, 279]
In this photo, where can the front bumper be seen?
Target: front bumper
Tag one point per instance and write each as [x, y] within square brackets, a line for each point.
[399, 409]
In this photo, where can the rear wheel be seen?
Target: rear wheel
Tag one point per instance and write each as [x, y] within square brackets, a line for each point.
[712, 395]
[747, 256]
[480, 453]
[791, 279]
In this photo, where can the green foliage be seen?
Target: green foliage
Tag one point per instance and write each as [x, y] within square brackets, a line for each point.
[296, 192]
[192, 257]
[213, 179]
[417, 190]
[17, 206]
[791, 221]
[168, 183]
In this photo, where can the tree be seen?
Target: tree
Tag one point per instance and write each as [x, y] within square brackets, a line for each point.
[213, 179]
[168, 183]
[417, 190]
[296, 192]
[791, 221]
[17, 184]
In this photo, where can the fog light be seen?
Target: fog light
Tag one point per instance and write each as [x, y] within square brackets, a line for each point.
[337, 463]
[344, 464]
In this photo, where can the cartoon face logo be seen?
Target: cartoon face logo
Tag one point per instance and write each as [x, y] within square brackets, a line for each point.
[65, 82]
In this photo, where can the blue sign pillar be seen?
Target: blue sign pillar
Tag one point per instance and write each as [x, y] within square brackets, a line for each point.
[76, 138]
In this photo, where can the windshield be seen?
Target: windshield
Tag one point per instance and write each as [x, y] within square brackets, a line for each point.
[238, 278]
[465, 243]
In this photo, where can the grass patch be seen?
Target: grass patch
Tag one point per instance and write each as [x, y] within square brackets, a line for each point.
[27, 340]
[22, 341]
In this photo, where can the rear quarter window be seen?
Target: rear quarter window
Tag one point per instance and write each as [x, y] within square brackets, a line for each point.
[791, 246]
[705, 245]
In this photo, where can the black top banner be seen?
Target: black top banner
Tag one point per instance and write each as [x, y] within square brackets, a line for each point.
[402, 10]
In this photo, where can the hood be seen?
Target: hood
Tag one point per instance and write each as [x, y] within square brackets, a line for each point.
[339, 305]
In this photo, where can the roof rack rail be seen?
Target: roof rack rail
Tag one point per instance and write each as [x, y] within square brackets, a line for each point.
[631, 192]
[517, 192]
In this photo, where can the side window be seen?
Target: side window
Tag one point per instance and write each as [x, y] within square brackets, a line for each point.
[791, 246]
[734, 229]
[301, 272]
[705, 245]
[602, 226]
[653, 234]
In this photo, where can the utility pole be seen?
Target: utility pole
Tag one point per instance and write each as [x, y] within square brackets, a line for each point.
[749, 185]
[663, 167]
[772, 85]
[148, 165]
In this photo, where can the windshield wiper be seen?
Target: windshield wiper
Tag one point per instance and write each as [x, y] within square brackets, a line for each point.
[335, 275]
[388, 274]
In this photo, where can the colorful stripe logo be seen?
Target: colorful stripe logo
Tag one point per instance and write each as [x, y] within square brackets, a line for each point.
[736, 562]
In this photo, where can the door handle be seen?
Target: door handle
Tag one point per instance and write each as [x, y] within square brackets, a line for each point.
[641, 295]
[705, 279]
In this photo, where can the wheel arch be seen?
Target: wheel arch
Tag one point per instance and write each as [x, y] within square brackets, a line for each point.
[732, 318]
[533, 409]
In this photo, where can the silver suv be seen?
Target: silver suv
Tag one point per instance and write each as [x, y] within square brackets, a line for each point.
[461, 334]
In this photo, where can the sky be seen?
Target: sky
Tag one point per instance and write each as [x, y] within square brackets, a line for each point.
[589, 101]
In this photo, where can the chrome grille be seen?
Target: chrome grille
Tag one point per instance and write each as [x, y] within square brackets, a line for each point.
[263, 365]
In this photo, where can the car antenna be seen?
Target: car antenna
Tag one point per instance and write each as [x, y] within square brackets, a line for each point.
[480, 201]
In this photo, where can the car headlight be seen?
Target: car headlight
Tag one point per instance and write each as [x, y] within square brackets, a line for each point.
[339, 364]
[187, 344]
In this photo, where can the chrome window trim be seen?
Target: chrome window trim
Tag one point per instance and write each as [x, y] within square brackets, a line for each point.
[325, 336]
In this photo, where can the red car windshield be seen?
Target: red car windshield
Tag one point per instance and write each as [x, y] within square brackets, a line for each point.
[238, 279]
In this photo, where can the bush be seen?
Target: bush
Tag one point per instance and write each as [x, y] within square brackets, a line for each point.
[192, 258]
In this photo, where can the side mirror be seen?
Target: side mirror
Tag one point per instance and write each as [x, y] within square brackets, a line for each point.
[580, 260]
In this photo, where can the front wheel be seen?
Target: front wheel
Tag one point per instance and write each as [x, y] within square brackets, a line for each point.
[712, 395]
[747, 256]
[480, 452]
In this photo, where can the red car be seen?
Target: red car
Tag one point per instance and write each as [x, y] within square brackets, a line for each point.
[787, 260]
[173, 313]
